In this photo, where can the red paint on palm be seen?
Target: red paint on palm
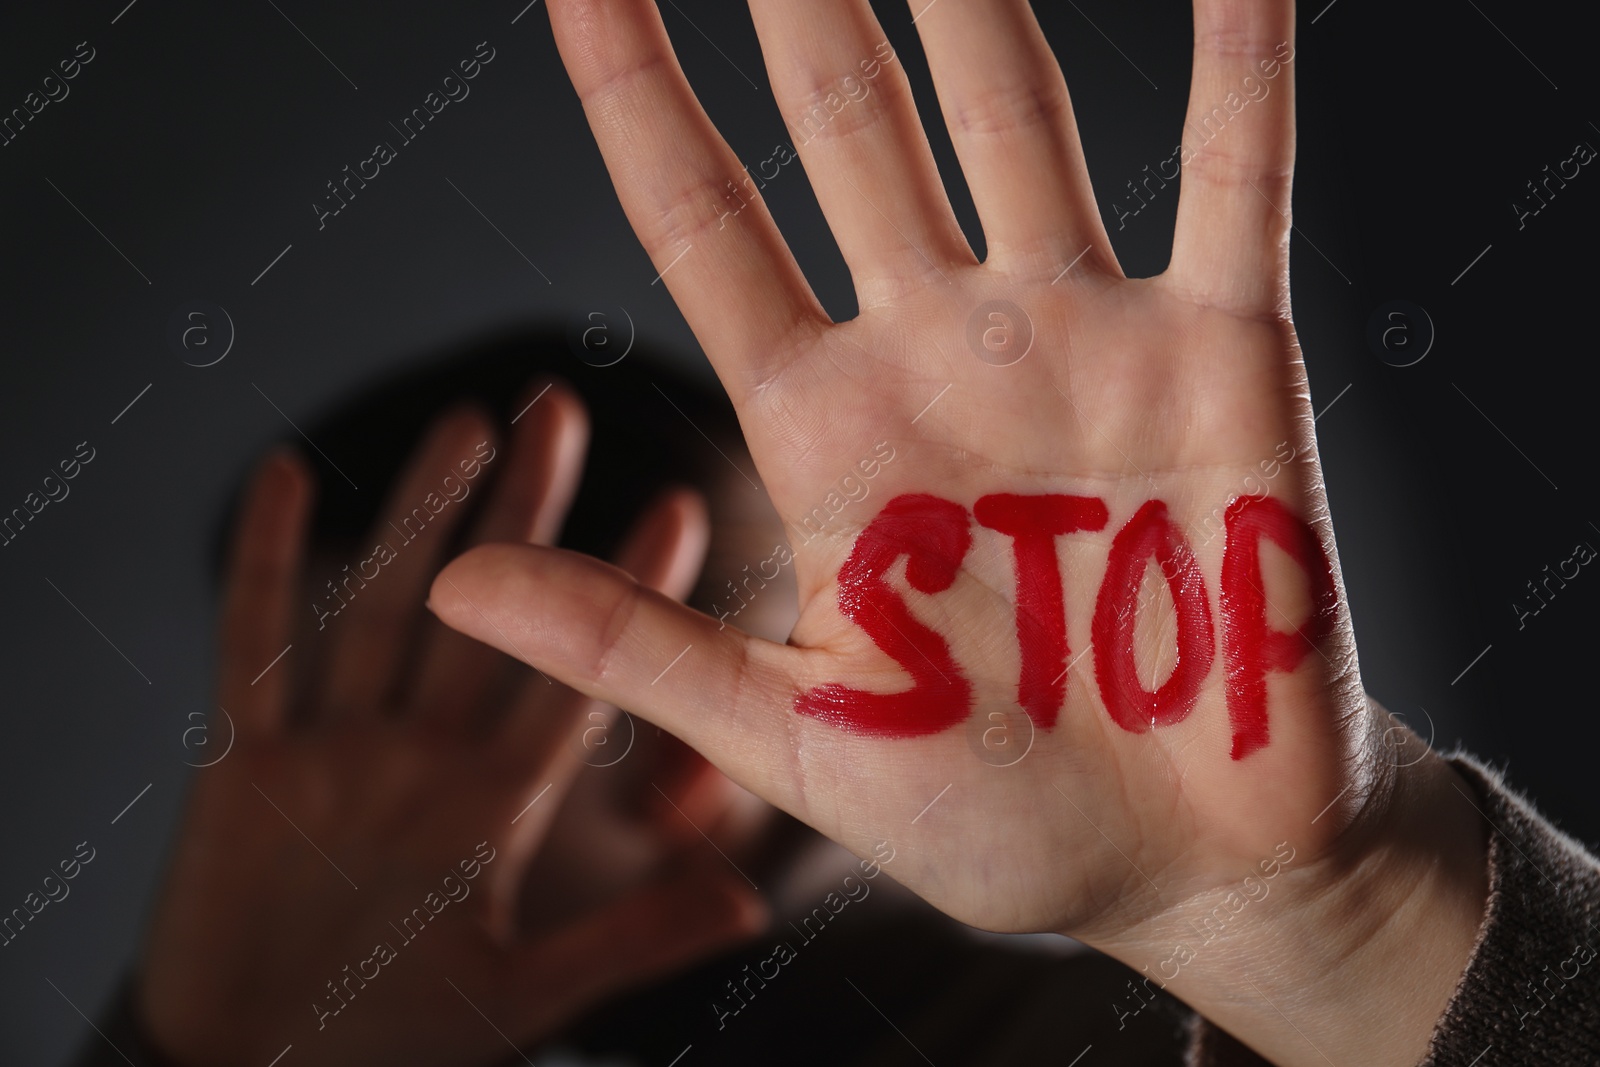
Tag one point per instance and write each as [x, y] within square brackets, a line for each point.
[1251, 647]
[1033, 523]
[934, 537]
[1150, 534]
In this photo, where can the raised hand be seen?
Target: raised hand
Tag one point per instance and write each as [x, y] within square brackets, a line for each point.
[1094, 527]
[348, 877]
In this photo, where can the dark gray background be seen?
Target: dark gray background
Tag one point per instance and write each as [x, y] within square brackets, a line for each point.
[200, 135]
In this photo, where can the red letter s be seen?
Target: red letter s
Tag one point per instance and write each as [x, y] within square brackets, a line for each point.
[934, 537]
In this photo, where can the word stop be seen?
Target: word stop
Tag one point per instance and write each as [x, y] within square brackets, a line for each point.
[934, 535]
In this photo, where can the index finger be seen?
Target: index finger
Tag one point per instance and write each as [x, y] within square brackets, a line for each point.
[263, 576]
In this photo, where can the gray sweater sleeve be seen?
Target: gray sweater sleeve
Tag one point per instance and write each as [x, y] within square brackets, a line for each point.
[1531, 992]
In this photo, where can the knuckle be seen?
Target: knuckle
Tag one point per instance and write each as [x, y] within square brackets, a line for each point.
[691, 209]
[1222, 167]
[833, 108]
[610, 641]
[1010, 108]
[1242, 28]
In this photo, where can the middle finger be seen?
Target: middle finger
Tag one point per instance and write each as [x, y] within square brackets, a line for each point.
[848, 105]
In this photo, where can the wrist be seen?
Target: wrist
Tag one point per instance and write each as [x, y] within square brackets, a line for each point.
[1351, 956]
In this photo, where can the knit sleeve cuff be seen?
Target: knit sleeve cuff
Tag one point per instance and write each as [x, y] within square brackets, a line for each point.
[1530, 994]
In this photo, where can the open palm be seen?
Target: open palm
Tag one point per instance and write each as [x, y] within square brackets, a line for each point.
[957, 464]
[348, 877]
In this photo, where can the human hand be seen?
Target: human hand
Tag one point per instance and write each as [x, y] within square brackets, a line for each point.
[347, 879]
[1117, 549]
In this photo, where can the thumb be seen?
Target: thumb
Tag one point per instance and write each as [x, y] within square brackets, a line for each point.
[654, 931]
[595, 628]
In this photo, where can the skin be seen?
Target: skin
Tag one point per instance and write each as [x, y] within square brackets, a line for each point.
[1173, 388]
[383, 752]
